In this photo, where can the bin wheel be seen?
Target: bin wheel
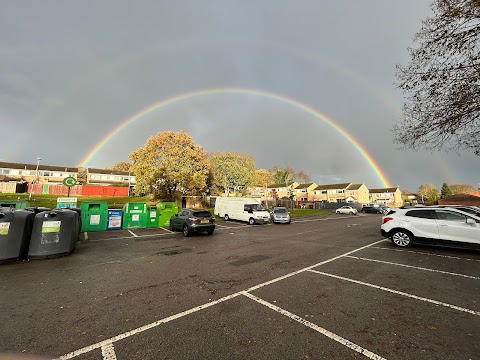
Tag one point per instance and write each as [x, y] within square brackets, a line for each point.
[185, 231]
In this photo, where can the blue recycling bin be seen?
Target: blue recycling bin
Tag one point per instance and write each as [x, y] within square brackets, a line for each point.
[114, 219]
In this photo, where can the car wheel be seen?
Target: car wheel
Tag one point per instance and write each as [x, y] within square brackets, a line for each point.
[251, 221]
[209, 232]
[337, 212]
[351, 212]
[226, 217]
[362, 211]
[402, 238]
[185, 231]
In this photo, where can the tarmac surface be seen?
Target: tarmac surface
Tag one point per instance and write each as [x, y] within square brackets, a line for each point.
[319, 288]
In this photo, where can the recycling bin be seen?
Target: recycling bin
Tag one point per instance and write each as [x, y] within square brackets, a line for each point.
[17, 204]
[165, 211]
[37, 209]
[152, 216]
[114, 219]
[79, 212]
[15, 231]
[134, 215]
[54, 233]
[94, 216]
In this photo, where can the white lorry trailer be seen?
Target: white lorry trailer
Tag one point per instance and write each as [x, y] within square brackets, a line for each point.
[241, 208]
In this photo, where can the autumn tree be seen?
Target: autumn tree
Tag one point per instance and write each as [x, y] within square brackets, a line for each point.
[446, 191]
[428, 193]
[232, 171]
[442, 81]
[121, 166]
[168, 164]
[461, 189]
[302, 177]
[263, 177]
[283, 175]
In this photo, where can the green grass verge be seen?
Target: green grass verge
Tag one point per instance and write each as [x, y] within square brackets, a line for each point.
[309, 212]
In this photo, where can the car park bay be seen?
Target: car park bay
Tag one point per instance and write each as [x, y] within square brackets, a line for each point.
[324, 287]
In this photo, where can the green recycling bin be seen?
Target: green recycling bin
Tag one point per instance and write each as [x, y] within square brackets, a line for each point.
[94, 216]
[134, 215]
[152, 219]
[165, 212]
[17, 204]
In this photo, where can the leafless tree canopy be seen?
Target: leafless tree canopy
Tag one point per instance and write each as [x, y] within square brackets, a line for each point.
[442, 82]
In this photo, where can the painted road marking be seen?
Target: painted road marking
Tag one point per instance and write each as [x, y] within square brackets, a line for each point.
[195, 309]
[321, 330]
[414, 267]
[170, 231]
[131, 232]
[85, 236]
[426, 253]
[143, 328]
[108, 352]
[131, 237]
[473, 312]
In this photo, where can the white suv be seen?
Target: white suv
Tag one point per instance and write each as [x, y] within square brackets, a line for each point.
[432, 225]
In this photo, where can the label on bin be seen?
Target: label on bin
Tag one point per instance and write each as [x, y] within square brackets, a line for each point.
[94, 219]
[136, 211]
[4, 228]
[153, 214]
[135, 217]
[51, 226]
[114, 221]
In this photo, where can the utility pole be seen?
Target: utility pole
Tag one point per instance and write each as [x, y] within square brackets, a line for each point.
[36, 178]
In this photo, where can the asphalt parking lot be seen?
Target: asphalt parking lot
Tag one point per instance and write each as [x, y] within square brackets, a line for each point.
[320, 288]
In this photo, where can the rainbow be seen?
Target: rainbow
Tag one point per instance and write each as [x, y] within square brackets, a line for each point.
[234, 90]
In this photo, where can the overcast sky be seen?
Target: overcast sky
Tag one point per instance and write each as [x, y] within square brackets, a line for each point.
[72, 71]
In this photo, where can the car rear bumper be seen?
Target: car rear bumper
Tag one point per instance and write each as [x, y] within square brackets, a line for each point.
[384, 233]
[201, 227]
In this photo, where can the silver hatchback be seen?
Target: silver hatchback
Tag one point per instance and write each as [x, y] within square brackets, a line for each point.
[280, 215]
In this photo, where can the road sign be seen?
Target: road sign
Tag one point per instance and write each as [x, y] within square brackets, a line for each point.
[69, 181]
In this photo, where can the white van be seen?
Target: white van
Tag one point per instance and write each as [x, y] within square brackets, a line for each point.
[241, 208]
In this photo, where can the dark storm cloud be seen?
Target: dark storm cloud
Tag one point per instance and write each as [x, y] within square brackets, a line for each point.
[72, 72]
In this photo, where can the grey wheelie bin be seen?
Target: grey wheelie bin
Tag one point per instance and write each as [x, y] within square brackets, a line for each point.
[55, 233]
[15, 231]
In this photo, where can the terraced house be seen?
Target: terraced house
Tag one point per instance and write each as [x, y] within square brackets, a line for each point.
[280, 191]
[388, 196]
[343, 192]
[304, 192]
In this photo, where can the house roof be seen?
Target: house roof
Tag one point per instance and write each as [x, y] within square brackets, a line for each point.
[332, 186]
[383, 190]
[272, 186]
[108, 172]
[354, 186]
[304, 186]
[22, 166]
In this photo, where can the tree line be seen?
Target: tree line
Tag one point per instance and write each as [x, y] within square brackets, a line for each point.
[170, 165]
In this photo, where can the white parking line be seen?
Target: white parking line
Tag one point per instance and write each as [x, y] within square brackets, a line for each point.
[414, 267]
[170, 231]
[321, 330]
[473, 312]
[130, 237]
[108, 352]
[131, 232]
[426, 253]
[195, 309]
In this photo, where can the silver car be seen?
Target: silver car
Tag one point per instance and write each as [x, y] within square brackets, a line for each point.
[346, 210]
[280, 215]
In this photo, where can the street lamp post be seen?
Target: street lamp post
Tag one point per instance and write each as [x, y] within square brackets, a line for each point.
[36, 178]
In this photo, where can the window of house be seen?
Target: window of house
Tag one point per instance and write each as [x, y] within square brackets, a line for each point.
[340, 191]
[324, 191]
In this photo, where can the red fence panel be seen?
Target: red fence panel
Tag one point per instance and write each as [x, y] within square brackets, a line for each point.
[98, 190]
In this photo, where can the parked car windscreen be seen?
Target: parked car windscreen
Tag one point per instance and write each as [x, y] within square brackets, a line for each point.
[281, 211]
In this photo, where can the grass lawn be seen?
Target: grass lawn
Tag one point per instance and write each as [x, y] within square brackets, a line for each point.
[309, 212]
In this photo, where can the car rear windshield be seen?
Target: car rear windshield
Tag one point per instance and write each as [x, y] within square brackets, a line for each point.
[202, 214]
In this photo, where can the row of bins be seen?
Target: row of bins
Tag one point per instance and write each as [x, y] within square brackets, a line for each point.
[97, 217]
[34, 233]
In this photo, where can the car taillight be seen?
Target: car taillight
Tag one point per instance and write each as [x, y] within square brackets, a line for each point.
[212, 219]
[387, 219]
[194, 219]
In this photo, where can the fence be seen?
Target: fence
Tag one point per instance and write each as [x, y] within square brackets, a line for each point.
[80, 190]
